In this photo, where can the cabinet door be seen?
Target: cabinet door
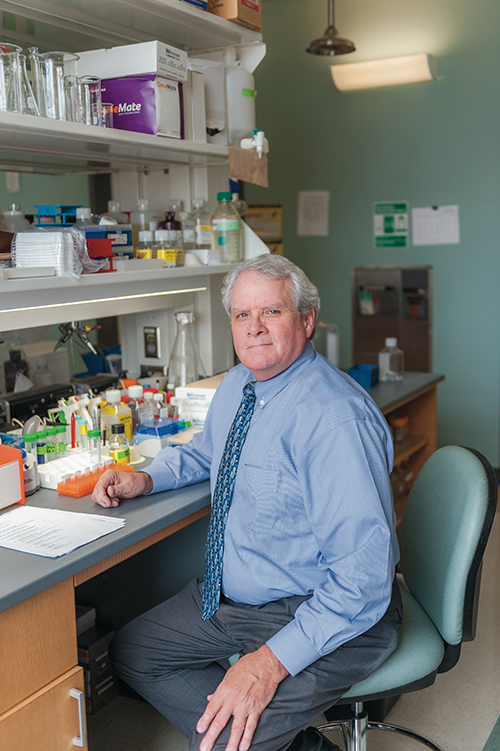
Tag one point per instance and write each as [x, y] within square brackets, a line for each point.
[37, 643]
[50, 720]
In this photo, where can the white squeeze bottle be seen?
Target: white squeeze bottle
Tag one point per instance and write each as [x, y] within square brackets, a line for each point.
[240, 96]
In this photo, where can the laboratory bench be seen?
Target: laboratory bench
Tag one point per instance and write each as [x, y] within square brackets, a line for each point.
[41, 685]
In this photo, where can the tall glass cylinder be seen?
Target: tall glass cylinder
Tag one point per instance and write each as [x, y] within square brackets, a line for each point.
[185, 364]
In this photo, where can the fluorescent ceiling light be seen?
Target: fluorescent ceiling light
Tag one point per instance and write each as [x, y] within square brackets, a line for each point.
[391, 71]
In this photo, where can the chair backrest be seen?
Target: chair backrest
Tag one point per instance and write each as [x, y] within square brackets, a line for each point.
[444, 531]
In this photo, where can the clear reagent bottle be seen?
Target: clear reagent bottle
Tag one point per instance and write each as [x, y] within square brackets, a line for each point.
[226, 230]
[391, 361]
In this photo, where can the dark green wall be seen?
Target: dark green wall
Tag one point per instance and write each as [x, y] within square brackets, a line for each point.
[425, 143]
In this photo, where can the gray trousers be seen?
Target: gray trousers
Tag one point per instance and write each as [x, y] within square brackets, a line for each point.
[171, 658]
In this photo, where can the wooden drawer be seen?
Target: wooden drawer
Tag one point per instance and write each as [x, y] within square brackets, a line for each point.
[37, 644]
[49, 720]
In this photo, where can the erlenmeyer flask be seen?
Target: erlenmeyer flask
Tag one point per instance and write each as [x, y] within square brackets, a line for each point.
[185, 365]
[19, 94]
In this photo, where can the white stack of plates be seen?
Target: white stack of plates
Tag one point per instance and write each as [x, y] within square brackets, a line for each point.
[41, 249]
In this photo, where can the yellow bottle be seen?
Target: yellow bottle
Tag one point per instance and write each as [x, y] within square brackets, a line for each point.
[114, 412]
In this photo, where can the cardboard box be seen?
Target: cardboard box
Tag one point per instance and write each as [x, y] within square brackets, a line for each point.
[11, 476]
[146, 104]
[194, 399]
[140, 59]
[245, 12]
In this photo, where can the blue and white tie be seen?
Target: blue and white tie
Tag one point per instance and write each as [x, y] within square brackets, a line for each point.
[221, 502]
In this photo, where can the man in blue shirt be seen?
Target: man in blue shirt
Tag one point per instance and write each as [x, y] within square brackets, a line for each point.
[307, 596]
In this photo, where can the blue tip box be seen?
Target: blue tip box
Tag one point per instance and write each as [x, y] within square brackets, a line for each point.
[365, 375]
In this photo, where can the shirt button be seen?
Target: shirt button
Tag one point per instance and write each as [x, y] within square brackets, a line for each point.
[262, 402]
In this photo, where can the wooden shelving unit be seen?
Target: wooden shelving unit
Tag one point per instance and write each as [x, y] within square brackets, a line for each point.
[415, 397]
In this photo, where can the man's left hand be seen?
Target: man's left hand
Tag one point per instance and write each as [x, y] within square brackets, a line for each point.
[243, 694]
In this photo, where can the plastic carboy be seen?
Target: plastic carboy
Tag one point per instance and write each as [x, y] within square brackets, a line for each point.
[391, 361]
[326, 341]
[185, 365]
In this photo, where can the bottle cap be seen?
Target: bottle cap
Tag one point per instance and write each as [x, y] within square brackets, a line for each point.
[148, 395]
[52, 431]
[135, 391]
[391, 341]
[158, 397]
[198, 203]
[170, 221]
[118, 427]
[145, 235]
[61, 429]
[114, 206]
[175, 204]
[94, 434]
[225, 196]
[143, 204]
[113, 396]
[82, 213]
[14, 210]
[29, 437]
[41, 434]
[161, 234]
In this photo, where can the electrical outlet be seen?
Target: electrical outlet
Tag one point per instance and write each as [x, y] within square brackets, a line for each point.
[152, 342]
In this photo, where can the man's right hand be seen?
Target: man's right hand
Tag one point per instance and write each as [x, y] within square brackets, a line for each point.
[114, 485]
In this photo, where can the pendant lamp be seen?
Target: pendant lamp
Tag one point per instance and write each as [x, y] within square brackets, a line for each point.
[331, 43]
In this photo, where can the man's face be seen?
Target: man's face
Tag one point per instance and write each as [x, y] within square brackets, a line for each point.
[268, 332]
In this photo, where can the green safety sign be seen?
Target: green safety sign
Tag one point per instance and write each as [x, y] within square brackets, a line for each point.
[391, 225]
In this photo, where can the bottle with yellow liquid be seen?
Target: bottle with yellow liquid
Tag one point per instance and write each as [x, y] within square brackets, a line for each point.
[146, 247]
[116, 413]
[119, 449]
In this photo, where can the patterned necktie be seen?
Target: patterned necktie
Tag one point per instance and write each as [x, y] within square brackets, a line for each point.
[221, 501]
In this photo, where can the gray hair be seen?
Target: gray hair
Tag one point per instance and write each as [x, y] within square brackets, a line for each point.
[302, 291]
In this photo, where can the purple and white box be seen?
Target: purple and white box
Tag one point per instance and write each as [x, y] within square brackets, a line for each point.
[146, 104]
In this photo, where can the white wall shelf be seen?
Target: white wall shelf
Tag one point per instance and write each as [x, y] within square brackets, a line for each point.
[105, 23]
[38, 144]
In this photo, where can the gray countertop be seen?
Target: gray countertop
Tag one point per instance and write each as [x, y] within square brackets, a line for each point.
[24, 575]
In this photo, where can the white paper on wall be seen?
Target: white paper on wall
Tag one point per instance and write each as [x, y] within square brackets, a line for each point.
[313, 213]
[435, 226]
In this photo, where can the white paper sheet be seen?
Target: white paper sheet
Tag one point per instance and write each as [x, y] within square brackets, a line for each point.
[52, 533]
[312, 213]
[439, 226]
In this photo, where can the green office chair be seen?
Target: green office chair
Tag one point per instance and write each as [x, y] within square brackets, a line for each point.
[445, 527]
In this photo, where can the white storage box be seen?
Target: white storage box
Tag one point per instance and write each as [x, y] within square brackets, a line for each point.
[194, 399]
[135, 60]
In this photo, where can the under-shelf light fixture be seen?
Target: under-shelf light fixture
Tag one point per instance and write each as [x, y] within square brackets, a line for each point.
[391, 71]
[72, 303]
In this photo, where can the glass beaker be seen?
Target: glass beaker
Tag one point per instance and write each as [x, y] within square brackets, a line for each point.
[60, 81]
[107, 114]
[185, 365]
[5, 65]
[91, 100]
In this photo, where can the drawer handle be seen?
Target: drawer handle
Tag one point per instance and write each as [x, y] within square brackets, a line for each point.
[78, 695]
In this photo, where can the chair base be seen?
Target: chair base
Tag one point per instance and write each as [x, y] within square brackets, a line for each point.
[355, 731]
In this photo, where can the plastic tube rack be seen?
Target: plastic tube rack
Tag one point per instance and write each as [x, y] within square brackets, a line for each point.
[84, 483]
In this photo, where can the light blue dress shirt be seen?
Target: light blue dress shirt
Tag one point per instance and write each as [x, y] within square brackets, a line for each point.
[312, 509]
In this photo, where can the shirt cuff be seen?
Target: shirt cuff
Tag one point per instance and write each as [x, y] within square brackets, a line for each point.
[292, 649]
[162, 476]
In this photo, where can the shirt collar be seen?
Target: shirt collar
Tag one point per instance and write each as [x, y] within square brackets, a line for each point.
[266, 390]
